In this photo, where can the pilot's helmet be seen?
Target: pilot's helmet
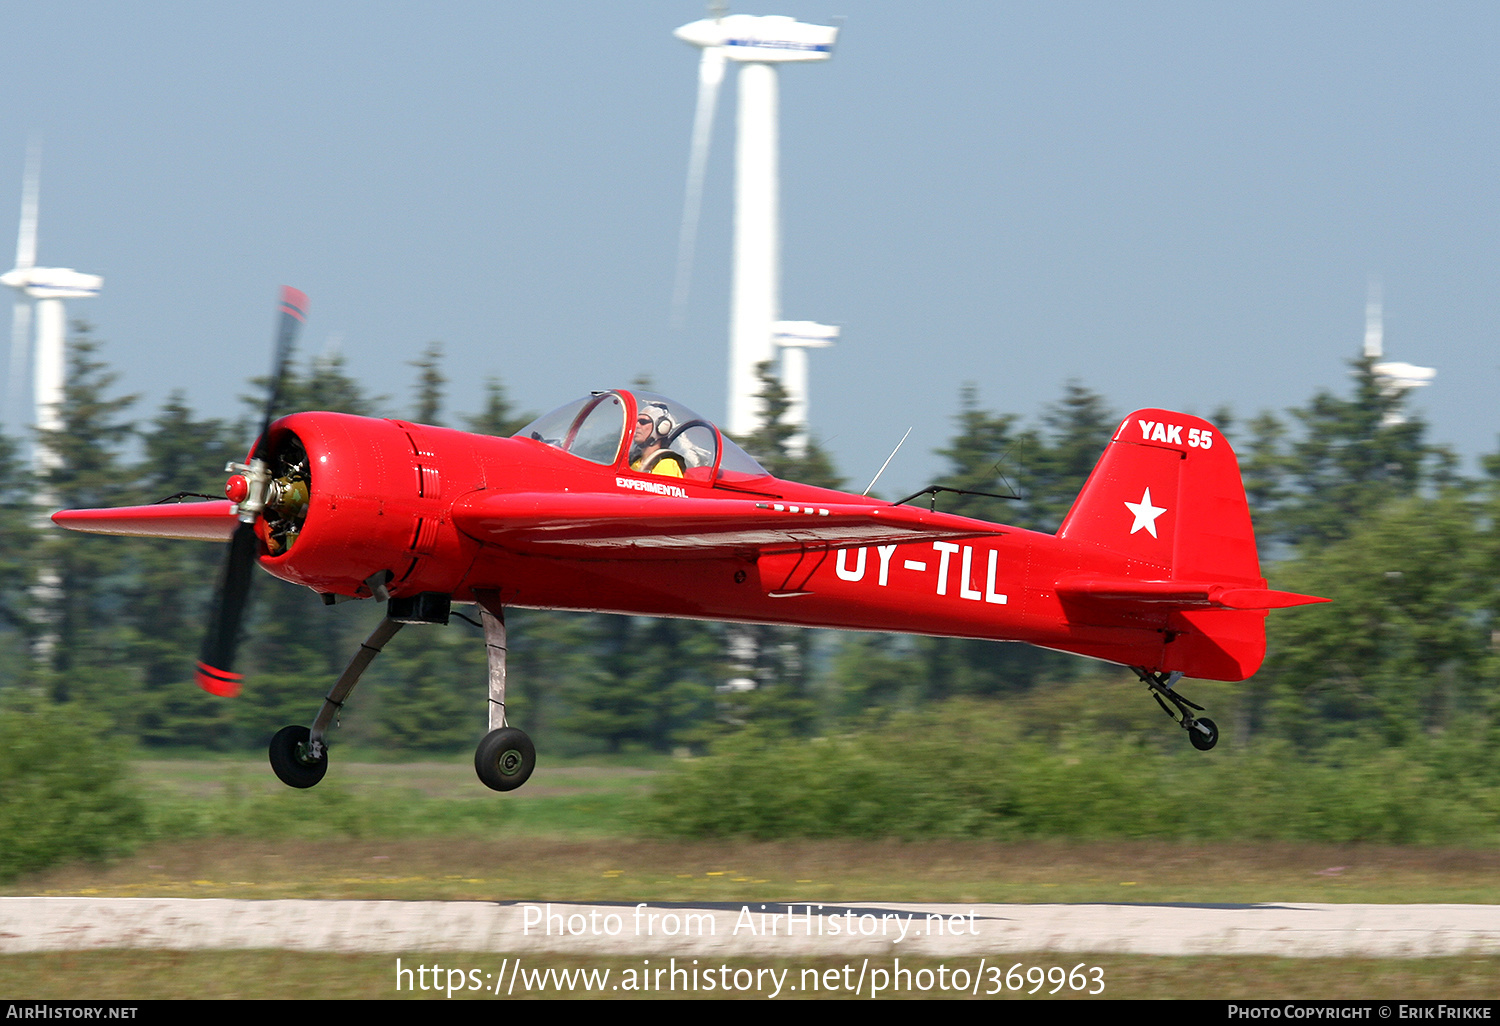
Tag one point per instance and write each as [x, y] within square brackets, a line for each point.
[660, 416]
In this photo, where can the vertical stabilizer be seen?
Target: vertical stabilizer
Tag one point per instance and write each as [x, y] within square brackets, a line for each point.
[1167, 494]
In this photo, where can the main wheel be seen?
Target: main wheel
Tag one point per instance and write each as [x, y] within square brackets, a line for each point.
[505, 759]
[1203, 741]
[292, 762]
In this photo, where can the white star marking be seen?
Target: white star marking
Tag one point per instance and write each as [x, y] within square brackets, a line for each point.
[1145, 514]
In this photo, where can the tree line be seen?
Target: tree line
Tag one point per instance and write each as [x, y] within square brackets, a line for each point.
[1350, 498]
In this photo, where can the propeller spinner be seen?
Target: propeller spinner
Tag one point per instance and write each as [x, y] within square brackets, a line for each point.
[249, 487]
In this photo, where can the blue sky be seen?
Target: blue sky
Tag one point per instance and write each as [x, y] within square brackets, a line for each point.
[1178, 204]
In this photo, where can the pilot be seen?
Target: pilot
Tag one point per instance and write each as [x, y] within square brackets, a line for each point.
[648, 451]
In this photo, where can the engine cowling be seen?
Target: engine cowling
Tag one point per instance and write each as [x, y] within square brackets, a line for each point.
[377, 503]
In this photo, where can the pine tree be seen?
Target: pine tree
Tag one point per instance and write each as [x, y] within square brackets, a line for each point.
[430, 383]
[1264, 465]
[978, 456]
[428, 690]
[1076, 430]
[654, 686]
[18, 538]
[81, 574]
[498, 417]
[770, 443]
[1354, 455]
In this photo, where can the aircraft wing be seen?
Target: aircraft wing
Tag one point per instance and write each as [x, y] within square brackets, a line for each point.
[193, 521]
[651, 526]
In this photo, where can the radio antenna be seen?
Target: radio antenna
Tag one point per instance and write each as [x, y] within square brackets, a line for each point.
[887, 462]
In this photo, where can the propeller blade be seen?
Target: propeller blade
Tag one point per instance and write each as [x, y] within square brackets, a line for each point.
[293, 312]
[214, 671]
[710, 76]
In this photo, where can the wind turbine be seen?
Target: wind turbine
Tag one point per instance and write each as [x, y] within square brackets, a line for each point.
[757, 45]
[1394, 377]
[45, 288]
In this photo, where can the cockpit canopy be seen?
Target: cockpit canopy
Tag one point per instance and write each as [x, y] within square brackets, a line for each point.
[644, 432]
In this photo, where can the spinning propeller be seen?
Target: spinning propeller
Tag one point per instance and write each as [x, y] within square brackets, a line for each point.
[250, 487]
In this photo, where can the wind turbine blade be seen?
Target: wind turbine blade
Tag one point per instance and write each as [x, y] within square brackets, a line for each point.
[710, 76]
[30, 190]
[1374, 323]
[20, 344]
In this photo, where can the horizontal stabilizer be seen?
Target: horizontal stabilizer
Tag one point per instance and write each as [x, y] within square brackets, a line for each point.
[682, 526]
[1181, 594]
[1263, 598]
[194, 521]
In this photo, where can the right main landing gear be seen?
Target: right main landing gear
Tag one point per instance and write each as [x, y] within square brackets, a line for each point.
[506, 756]
[505, 759]
[1202, 731]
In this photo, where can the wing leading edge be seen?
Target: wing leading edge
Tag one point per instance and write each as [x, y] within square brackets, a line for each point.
[649, 526]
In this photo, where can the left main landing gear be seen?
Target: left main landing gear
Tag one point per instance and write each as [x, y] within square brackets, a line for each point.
[298, 754]
[1202, 731]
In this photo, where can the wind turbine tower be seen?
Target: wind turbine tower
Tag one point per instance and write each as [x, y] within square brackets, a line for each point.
[794, 339]
[46, 288]
[757, 44]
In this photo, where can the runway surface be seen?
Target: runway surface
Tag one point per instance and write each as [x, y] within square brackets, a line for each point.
[1289, 930]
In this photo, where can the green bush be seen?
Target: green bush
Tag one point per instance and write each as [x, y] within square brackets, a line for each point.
[65, 791]
[966, 770]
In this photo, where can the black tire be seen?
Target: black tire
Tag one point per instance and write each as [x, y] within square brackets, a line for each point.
[1201, 741]
[505, 759]
[289, 761]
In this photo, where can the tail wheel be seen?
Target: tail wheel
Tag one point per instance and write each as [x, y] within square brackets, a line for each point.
[1204, 734]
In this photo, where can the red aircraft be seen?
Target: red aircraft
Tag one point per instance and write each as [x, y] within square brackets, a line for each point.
[628, 502]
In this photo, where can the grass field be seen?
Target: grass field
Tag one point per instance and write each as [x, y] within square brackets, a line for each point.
[427, 830]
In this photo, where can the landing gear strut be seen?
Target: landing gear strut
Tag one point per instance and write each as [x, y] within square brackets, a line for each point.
[1202, 731]
[506, 756]
[298, 755]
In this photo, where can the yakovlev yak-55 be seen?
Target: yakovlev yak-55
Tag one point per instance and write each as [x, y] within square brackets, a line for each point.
[629, 502]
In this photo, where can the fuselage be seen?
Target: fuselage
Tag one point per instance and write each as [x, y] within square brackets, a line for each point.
[390, 496]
